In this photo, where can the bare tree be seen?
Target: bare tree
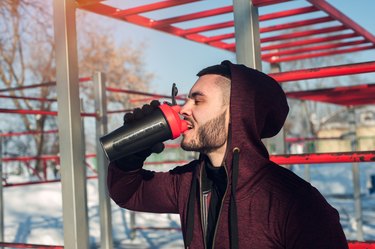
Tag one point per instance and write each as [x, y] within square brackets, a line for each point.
[27, 56]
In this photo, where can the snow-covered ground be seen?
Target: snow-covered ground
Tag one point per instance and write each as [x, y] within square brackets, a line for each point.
[33, 213]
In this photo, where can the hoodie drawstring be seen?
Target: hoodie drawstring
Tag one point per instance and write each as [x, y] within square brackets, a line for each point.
[233, 224]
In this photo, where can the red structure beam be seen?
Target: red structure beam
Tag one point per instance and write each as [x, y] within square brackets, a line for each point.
[361, 245]
[13, 134]
[23, 245]
[28, 98]
[207, 28]
[321, 54]
[312, 48]
[118, 90]
[332, 11]
[313, 73]
[38, 112]
[44, 84]
[151, 7]
[343, 157]
[347, 96]
[192, 16]
[260, 3]
[286, 13]
[303, 34]
[297, 24]
[309, 41]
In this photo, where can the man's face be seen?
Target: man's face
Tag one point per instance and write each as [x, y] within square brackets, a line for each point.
[207, 116]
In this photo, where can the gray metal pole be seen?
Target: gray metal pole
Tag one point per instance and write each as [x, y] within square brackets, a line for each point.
[1, 193]
[70, 131]
[246, 26]
[102, 162]
[276, 144]
[356, 177]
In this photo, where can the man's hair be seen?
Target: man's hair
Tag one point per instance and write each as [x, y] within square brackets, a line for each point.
[223, 82]
[221, 69]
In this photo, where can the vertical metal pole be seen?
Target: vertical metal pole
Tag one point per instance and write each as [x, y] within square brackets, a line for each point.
[70, 130]
[102, 162]
[246, 26]
[133, 232]
[1, 193]
[356, 177]
[277, 142]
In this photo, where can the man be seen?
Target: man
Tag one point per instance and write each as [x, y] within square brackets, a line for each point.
[233, 196]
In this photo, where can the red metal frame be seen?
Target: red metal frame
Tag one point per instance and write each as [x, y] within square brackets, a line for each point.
[346, 96]
[138, 16]
[23, 245]
[339, 157]
[313, 73]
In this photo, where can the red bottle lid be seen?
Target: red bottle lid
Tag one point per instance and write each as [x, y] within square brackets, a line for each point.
[177, 125]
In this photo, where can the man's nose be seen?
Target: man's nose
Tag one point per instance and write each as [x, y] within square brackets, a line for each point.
[185, 110]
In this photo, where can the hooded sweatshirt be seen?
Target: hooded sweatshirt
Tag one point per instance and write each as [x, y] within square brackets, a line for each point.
[265, 206]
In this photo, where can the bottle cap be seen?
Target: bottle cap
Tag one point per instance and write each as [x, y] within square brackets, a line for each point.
[176, 124]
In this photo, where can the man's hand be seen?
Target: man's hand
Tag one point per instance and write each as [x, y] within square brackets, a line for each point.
[135, 161]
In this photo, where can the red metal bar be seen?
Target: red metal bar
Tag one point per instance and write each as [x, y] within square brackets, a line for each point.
[260, 3]
[151, 7]
[24, 112]
[312, 48]
[156, 228]
[108, 11]
[90, 167]
[18, 184]
[207, 28]
[309, 41]
[361, 245]
[321, 54]
[44, 84]
[347, 96]
[11, 134]
[33, 170]
[28, 98]
[332, 11]
[192, 16]
[303, 34]
[39, 112]
[43, 157]
[287, 13]
[343, 157]
[23, 245]
[118, 90]
[296, 24]
[364, 67]
[218, 38]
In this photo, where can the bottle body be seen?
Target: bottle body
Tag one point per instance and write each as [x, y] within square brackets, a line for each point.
[141, 134]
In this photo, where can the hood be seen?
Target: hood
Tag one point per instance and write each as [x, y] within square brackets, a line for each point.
[258, 109]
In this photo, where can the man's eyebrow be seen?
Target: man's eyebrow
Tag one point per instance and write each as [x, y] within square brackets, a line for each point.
[195, 94]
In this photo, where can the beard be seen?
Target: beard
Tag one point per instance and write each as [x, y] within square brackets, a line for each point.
[210, 136]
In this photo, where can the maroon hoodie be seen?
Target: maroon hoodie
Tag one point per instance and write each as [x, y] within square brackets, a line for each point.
[265, 205]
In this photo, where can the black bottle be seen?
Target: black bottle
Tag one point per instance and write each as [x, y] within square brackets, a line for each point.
[162, 124]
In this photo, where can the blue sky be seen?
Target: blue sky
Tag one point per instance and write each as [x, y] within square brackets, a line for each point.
[173, 59]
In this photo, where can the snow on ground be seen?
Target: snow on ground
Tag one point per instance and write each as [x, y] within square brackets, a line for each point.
[33, 213]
